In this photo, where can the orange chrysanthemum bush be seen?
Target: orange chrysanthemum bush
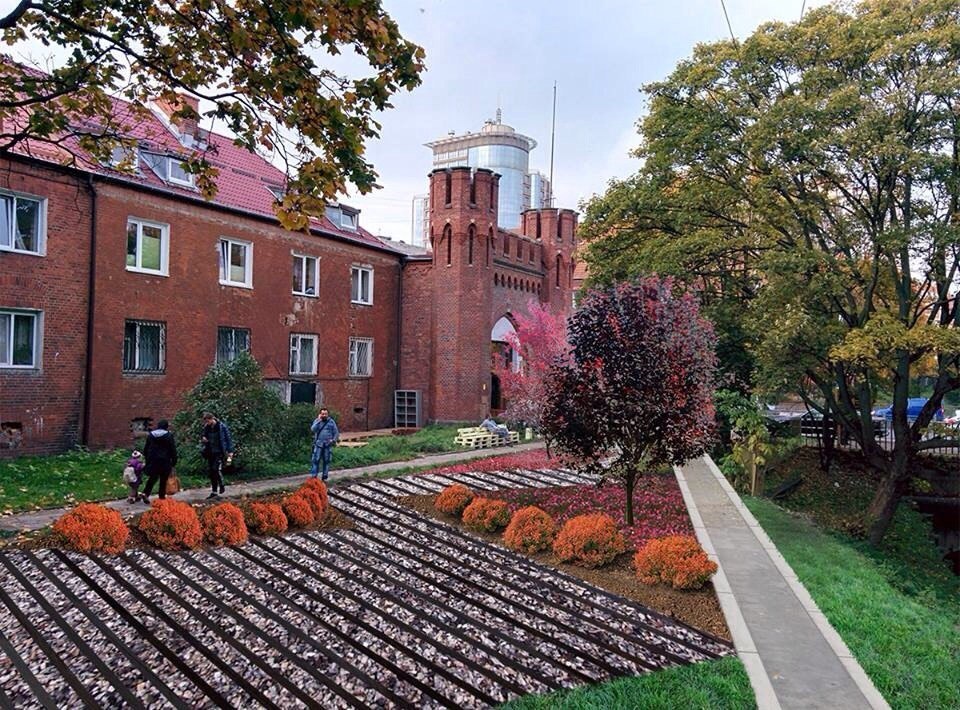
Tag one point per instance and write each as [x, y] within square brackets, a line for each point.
[172, 525]
[677, 560]
[590, 540]
[315, 484]
[298, 510]
[91, 527]
[531, 529]
[317, 503]
[265, 518]
[454, 499]
[486, 515]
[223, 524]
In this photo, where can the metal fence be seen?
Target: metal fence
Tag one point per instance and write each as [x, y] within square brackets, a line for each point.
[813, 433]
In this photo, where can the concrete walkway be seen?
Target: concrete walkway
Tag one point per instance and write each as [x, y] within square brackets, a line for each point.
[794, 658]
[34, 520]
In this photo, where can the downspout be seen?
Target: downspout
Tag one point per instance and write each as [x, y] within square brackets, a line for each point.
[91, 287]
[402, 264]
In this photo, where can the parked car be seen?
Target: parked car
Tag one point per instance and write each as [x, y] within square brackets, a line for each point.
[914, 405]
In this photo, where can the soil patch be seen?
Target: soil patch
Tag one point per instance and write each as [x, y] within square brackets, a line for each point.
[698, 608]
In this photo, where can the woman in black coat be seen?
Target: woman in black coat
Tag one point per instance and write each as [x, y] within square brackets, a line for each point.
[161, 455]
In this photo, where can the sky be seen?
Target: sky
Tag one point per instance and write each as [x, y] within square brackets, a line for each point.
[508, 53]
[480, 53]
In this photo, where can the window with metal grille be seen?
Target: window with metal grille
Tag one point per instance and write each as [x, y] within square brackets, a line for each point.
[361, 357]
[144, 345]
[303, 354]
[231, 342]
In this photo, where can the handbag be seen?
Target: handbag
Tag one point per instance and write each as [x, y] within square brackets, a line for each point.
[173, 484]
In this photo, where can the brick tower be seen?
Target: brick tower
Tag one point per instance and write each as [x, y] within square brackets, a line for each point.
[555, 230]
[463, 213]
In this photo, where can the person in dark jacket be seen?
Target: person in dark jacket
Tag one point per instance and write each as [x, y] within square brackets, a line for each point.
[160, 452]
[217, 448]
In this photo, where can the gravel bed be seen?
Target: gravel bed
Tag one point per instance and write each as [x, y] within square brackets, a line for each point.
[400, 611]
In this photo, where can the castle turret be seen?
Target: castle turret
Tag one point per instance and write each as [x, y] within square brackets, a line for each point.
[556, 232]
[463, 216]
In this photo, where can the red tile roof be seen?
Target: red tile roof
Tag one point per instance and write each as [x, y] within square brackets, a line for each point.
[242, 183]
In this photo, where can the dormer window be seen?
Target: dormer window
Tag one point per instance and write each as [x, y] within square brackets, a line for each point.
[277, 191]
[168, 168]
[123, 157]
[343, 217]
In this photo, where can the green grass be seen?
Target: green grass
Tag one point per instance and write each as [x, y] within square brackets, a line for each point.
[32, 482]
[712, 685]
[897, 607]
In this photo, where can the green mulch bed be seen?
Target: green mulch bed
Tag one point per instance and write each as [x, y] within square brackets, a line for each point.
[712, 685]
[897, 606]
[34, 482]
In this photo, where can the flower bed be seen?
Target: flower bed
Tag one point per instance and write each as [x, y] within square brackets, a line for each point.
[528, 460]
[658, 507]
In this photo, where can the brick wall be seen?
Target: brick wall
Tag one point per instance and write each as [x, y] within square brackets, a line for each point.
[192, 303]
[46, 402]
[416, 333]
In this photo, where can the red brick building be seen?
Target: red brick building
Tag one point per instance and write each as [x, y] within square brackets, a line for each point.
[118, 291]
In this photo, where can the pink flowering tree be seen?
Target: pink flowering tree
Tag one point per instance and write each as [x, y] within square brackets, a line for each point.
[638, 387]
[540, 338]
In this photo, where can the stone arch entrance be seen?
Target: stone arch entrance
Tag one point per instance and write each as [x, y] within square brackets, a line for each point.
[501, 354]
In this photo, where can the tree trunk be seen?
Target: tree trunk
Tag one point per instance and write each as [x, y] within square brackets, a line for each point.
[751, 470]
[896, 476]
[629, 482]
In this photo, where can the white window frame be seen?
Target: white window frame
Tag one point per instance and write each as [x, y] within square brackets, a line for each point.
[356, 269]
[224, 260]
[297, 337]
[37, 317]
[162, 165]
[349, 220]
[161, 348]
[171, 161]
[233, 329]
[41, 249]
[354, 368]
[316, 276]
[164, 246]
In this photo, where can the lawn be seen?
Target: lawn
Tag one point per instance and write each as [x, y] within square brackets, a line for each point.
[713, 685]
[31, 482]
[896, 607]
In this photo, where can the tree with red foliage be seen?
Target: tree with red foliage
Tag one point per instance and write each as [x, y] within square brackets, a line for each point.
[639, 383]
[540, 339]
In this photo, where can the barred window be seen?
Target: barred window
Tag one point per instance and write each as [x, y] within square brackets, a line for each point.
[144, 345]
[361, 357]
[231, 342]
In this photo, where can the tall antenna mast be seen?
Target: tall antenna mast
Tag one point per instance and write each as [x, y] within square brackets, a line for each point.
[553, 134]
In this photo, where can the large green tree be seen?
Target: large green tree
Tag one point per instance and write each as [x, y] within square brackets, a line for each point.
[808, 180]
[263, 69]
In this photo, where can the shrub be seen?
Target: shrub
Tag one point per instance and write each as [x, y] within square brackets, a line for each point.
[486, 515]
[590, 540]
[531, 529]
[677, 560]
[266, 518]
[320, 488]
[298, 510]
[172, 525]
[452, 500]
[91, 527]
[316, 502]
[223, 524]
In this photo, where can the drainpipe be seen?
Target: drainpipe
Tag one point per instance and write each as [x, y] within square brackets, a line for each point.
[402, 264]
[91, 287]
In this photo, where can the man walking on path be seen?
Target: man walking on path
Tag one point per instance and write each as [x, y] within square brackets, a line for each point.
[217, 448]
[325, 437]
[160, 452]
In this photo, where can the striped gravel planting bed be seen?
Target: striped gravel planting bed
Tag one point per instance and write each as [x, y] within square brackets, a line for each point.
[398, 611]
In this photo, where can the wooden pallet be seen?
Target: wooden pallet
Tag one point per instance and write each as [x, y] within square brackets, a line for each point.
[480, 438]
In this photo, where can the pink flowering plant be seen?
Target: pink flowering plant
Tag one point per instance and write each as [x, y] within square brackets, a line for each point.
[658, 506]
[527, 460]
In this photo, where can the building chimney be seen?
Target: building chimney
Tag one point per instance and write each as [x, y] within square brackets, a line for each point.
[188, 128]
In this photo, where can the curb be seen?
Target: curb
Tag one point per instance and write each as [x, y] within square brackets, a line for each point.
[859, 676]
[742, 640]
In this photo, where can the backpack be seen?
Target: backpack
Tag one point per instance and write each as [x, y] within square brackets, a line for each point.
[129, 475]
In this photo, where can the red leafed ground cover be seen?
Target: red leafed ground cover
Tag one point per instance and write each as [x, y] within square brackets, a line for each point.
[658, 506]
[527, 460]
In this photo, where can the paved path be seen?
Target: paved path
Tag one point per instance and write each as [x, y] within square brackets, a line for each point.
[37, 519]
[398, 611]
[794, 657]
